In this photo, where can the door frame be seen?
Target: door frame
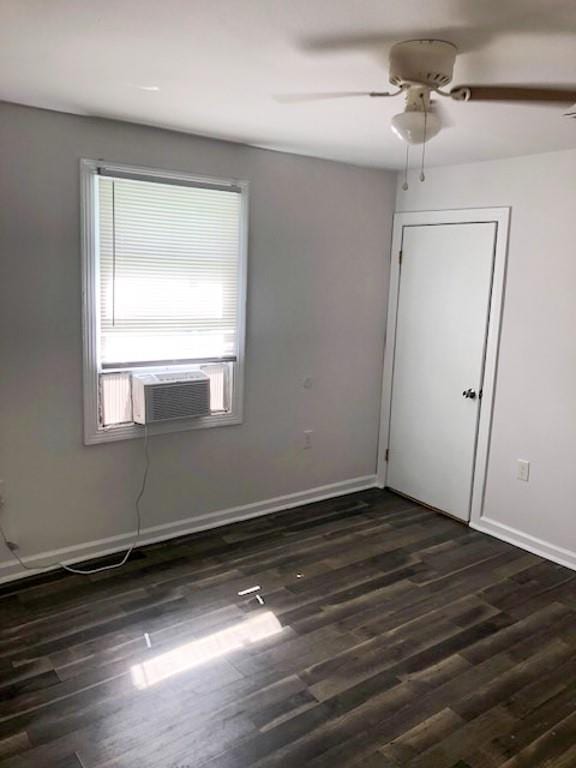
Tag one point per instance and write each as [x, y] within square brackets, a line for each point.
[501, 218]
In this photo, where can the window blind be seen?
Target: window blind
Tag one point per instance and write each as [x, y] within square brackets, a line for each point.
[169, 260]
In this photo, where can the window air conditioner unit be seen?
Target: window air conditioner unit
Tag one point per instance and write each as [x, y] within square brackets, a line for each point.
[160, 397]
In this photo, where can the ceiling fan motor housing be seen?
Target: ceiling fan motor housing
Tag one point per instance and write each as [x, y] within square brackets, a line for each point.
[422, 62]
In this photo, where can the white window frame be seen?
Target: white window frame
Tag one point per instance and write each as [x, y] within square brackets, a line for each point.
[93, 432]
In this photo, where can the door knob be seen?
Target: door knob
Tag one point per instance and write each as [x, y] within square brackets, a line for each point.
[470, 394]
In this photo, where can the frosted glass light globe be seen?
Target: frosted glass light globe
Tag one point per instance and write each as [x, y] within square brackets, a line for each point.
[409, 126]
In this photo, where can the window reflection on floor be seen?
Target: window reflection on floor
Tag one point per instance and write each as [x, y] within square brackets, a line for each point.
[200, 651]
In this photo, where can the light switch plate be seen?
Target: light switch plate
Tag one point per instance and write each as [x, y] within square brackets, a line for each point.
[523, 470]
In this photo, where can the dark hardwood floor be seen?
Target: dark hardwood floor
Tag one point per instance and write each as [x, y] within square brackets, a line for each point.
[385, 635]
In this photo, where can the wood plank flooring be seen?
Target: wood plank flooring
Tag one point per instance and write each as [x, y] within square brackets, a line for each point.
[386, 636]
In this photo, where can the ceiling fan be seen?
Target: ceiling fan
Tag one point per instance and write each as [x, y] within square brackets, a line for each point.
[422, 68]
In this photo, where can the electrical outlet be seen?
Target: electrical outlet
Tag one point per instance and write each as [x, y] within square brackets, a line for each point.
[523, 470]
[308, 438]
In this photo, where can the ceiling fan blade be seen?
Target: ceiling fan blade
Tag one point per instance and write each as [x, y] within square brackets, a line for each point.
[465, 38]
[346, 42]
[295, 98]
[519, 93]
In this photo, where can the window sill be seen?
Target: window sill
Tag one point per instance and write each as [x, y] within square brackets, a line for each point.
[133, 431]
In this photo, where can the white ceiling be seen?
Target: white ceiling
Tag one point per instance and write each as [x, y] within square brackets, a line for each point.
[219, 63]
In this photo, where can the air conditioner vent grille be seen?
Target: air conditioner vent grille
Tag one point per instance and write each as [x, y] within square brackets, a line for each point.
[177, 401]
[157, 397]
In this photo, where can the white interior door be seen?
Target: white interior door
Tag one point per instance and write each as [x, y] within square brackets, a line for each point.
[442, 321]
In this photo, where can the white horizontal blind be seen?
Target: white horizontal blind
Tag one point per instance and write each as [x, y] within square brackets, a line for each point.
[169, 260]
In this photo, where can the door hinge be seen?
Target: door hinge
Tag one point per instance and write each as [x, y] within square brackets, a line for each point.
[387, 454]
[400, 257]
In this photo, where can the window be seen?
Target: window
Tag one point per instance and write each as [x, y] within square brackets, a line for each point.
[164, 291]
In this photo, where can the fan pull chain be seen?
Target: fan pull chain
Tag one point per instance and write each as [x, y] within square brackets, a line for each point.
[405, 185]
[422, 175]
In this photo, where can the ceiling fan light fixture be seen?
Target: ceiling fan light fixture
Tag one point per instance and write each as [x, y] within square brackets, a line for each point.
[415, 127]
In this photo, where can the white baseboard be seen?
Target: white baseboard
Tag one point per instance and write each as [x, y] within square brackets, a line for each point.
[523, 540]
[48, 561]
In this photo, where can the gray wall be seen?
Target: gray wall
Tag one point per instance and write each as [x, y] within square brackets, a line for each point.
[535, 404]
[318, 282]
